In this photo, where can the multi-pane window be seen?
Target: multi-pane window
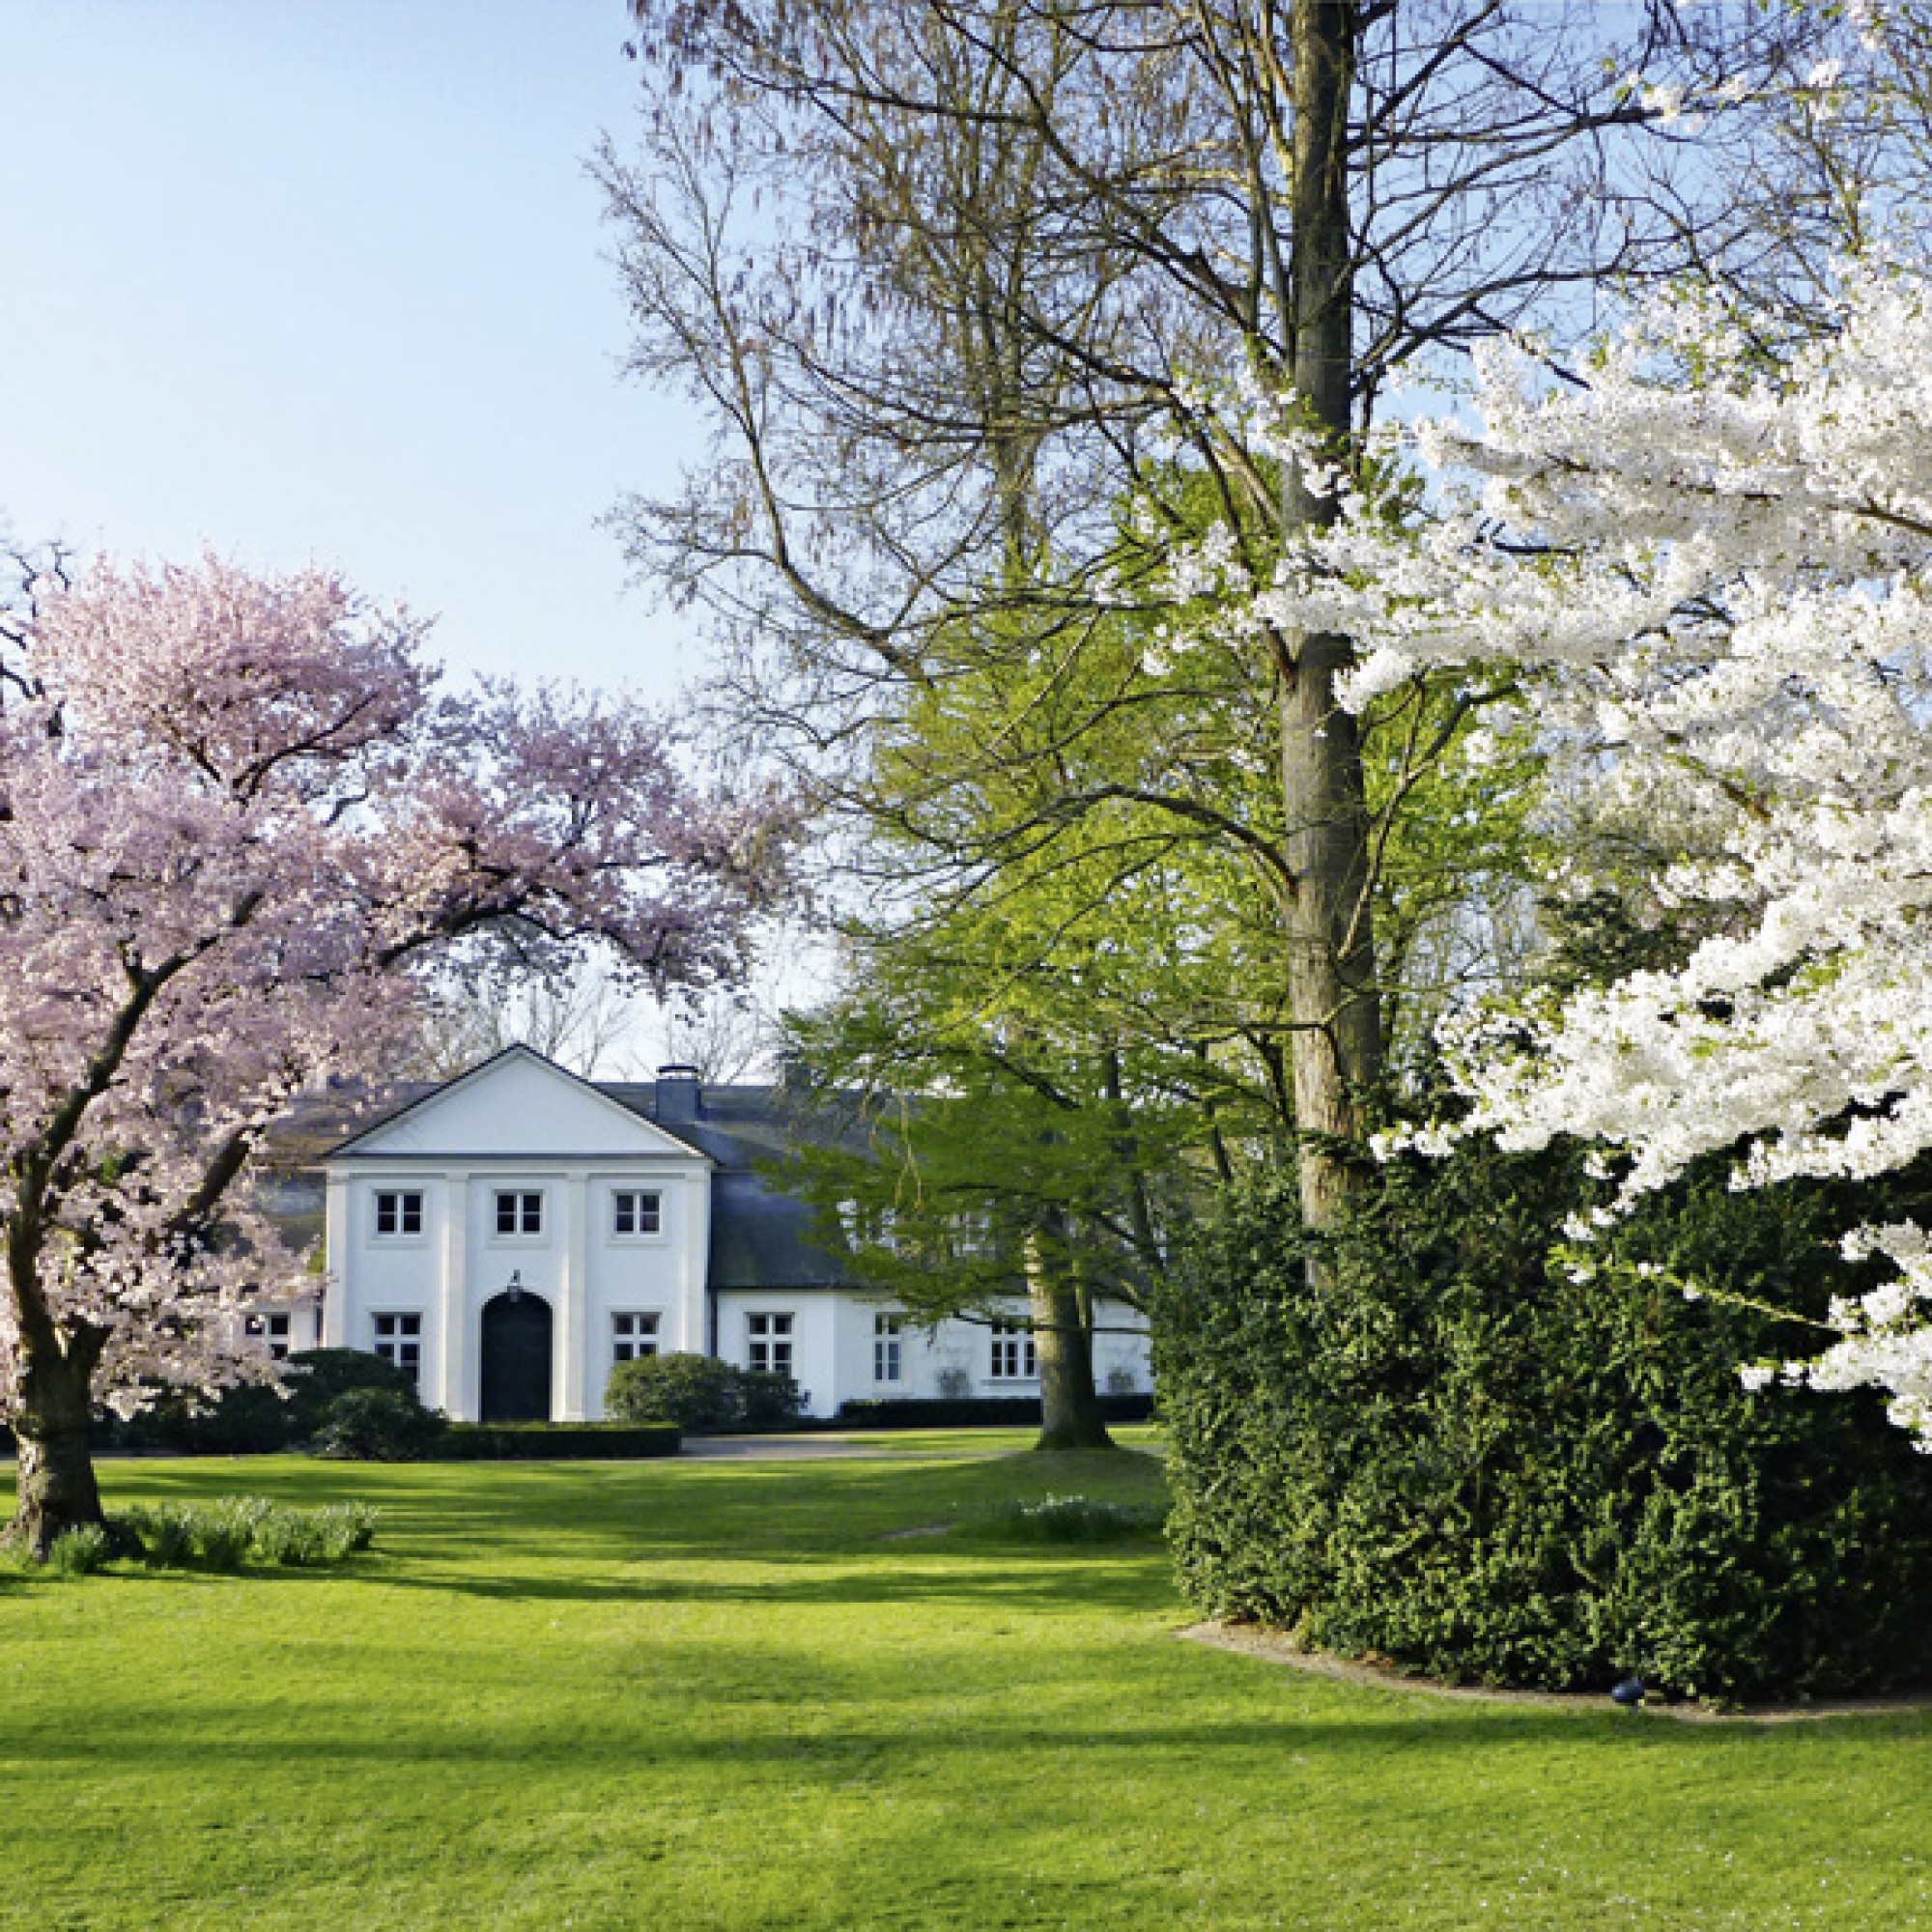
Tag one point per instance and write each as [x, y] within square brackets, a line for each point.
[633, 1336]
[399, 1211]
[272, 1330]
[519, 1213]
[636, 1211]
[1013, 1357]
[770, 1338]
[888, 1343]
[399, 1340]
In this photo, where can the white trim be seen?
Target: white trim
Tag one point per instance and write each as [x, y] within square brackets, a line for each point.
[352, 1149]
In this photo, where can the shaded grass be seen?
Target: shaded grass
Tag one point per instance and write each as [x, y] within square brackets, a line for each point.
[722, 1695]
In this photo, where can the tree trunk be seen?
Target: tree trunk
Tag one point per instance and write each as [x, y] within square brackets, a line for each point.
[1069, 1404]
[50, 1423]
[1336, 1050]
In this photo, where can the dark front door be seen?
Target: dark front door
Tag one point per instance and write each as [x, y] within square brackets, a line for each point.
[516, 1358]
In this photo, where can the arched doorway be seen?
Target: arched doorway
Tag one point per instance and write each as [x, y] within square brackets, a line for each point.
[516, 1358]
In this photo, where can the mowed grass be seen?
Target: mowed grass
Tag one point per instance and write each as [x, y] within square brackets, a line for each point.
[726, 1694]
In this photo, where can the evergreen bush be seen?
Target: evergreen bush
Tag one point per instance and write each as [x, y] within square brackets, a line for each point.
[253, 1419]
[1448, 1446]
[378, 1425]
[700, 1394]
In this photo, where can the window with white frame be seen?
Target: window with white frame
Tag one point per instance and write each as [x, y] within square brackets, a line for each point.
[273, 1331]
[637, 1211]
[633, 1335]
[888, 1348]
[399, 1210]
[519, 1213]
[1014, 1357]
[398, 1339]
[770, 1340]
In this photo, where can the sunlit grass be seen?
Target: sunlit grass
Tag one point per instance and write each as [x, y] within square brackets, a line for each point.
[729, 1694]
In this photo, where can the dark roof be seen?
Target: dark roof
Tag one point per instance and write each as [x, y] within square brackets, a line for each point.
[761, 1238]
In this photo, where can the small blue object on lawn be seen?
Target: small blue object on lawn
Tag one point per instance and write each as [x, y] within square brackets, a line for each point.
[1629, 1693]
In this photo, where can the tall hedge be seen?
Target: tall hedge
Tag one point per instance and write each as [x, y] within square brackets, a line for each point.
[1440, 1447]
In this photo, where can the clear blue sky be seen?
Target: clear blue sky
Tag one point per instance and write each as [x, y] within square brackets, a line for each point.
[325, 279]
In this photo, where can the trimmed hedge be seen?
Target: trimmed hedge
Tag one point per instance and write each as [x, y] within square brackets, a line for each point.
[1012, 1411]
[556, 1442]
[1443, 1448]
[252, 1420]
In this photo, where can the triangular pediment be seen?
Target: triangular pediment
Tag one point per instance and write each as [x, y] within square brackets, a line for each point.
[518, 1103]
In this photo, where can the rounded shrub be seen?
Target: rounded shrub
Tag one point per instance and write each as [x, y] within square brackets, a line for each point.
[377, 1425]
[700, 1394]
[1434, 1437]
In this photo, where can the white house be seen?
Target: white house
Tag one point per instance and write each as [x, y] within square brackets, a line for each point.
[509, 1237]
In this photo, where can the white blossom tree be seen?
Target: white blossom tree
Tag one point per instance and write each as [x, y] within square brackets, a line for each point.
[237, 826]
[1704, 571]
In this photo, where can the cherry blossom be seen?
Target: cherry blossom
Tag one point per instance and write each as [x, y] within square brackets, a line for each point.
[240, 825]
[1704, 572]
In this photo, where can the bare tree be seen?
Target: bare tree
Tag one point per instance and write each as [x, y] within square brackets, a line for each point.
[993, 303]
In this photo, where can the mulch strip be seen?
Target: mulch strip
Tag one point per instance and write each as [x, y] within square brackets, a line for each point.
[1278, 1647]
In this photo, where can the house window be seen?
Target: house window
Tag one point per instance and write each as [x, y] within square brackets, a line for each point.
[1013, 1357]
[399, 1340]
[519, 1213]
[635, 1211]
[273, 1331]
[633, 1336]
[771, 1343]
[887, 1345]
[399, 1211]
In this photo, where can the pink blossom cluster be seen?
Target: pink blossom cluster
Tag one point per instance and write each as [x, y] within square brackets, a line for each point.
[238, 824]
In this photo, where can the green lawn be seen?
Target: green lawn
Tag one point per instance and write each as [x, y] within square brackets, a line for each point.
[720, 1694]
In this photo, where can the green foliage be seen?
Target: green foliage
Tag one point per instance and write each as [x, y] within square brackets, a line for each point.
[377, 1425]
[1079, 1520]
[701, 1395]
[228, 1532]
[1445, 1447]
[253, 1419]
[79, 1553]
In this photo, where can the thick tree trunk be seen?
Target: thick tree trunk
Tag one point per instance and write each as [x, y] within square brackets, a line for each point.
[1336, 1050]
[1069, 1404]
[51, 1422]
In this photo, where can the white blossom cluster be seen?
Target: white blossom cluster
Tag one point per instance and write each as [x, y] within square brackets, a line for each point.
[1710, 576]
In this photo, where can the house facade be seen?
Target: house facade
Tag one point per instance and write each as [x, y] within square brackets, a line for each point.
[507, 1238]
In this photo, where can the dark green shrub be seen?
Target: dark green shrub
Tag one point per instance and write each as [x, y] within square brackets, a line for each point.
[377, 1425]
[251, 1419]
[557, 1441]
[700, 1394]
[767, 1400]
[1444, 1447]
[317, 1376]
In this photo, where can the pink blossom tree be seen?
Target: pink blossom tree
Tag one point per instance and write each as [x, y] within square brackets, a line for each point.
[240, 826]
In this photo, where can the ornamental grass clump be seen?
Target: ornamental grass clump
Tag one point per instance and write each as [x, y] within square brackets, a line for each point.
[1079, 1520]
[229, 1533]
